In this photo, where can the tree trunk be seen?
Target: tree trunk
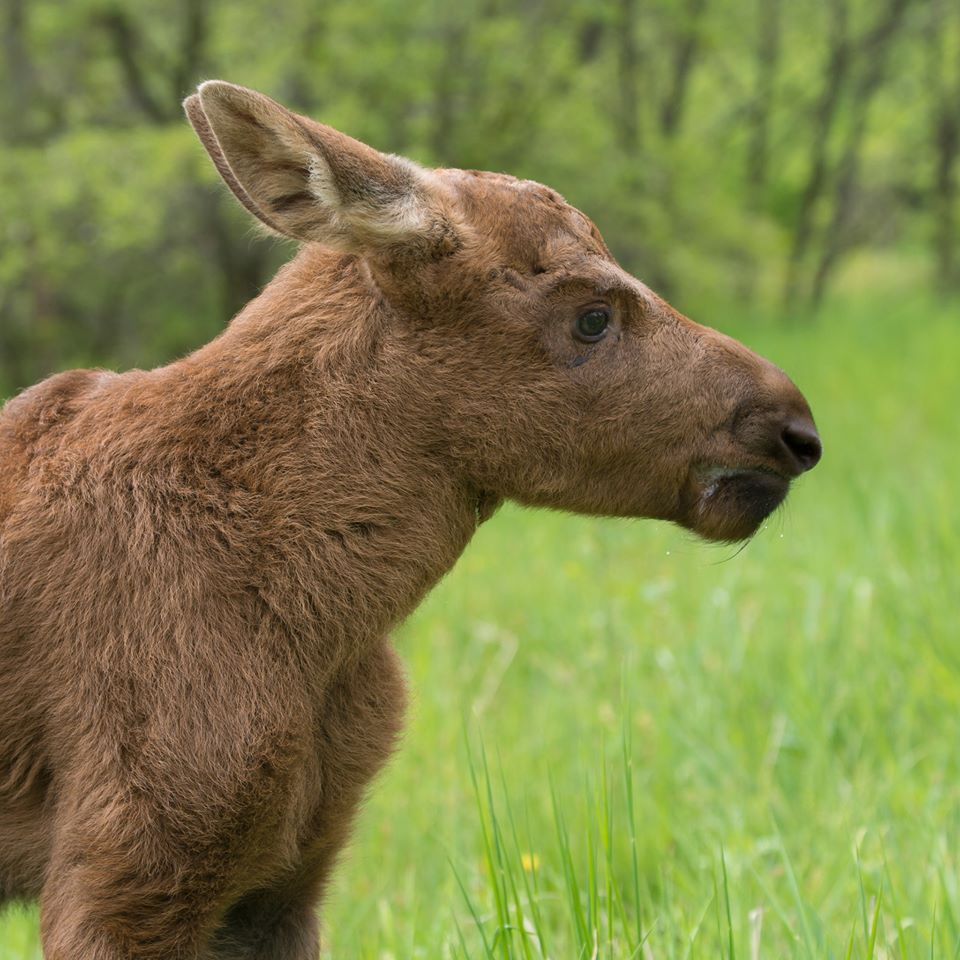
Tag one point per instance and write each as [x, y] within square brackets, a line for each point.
[18, 74]
[241, 264]
[190, 64]
[768, 57]
[127, 45]
[875, 50]
[945, 140]
[445, 111]
[767, 53]
[684, 58]
[145, 70]
[628, 64]
[836, 72]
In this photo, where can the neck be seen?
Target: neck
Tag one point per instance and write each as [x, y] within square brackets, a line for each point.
[339, 439]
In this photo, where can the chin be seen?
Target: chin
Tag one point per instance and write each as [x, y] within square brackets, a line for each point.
[728, 505]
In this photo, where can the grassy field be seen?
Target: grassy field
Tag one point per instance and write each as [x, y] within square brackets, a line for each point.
[625, 743]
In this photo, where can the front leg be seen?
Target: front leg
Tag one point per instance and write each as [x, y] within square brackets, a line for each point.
[356, 730]
[132, 880]
[268, 925]
[101, 908]
[146, 865]
[128, 882]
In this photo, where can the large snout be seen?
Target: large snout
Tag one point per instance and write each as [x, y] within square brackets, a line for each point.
[768, 440]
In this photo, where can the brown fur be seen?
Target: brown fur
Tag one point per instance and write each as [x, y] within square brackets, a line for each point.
[200, 564]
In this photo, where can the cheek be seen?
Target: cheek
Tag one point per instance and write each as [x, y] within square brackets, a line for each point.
[609, 376]
[628, 404]
[596, 401]
[597, 397]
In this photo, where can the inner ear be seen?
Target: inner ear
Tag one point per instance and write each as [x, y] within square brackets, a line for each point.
[198, 120]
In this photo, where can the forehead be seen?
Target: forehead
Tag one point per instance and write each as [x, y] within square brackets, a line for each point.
[527, 220]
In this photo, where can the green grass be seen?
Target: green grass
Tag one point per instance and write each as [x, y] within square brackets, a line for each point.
[625, 743]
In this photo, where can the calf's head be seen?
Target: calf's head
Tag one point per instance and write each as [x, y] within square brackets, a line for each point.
[552, 376]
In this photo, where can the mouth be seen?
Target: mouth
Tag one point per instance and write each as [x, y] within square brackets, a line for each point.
[729, 503]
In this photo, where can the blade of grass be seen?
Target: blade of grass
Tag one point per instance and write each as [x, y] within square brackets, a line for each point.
[874, 926]
[488, 950]
[731, 949]
[569, 873]
[808, 937]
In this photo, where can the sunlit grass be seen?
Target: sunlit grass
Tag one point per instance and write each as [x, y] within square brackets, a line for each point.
[625, 743]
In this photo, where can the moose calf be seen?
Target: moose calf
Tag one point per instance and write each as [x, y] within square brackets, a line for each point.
[200, 564]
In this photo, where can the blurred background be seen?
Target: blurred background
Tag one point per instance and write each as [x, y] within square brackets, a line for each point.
[690, 753]
[759, 153]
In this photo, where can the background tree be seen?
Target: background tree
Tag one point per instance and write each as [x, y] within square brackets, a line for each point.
[741, 149]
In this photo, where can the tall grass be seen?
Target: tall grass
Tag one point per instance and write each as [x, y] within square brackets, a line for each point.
[677, 752]
[578, 897]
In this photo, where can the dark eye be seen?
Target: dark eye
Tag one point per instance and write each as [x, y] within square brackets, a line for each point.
[592, 325]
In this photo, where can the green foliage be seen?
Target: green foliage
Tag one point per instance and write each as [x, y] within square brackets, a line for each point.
[688, 129]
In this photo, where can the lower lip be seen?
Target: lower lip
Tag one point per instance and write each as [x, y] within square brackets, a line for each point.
[710, 474]
[712, 478]
[761, 489]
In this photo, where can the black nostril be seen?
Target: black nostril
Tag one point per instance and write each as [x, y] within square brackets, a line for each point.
[801, 439]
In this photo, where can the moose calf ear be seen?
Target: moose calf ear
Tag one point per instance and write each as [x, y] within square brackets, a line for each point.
[310, 182]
